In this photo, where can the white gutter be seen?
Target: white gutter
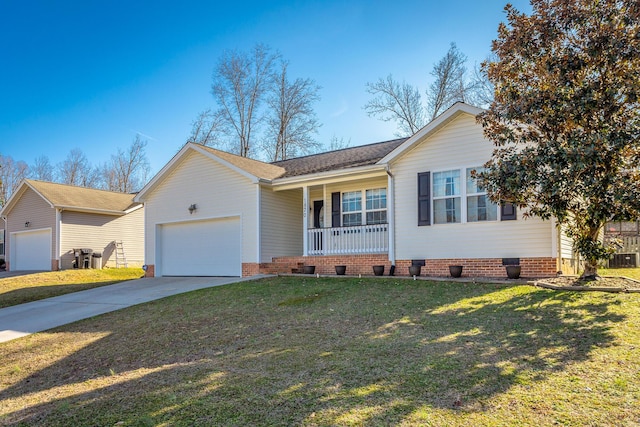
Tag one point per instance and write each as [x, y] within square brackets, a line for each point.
[281, 182]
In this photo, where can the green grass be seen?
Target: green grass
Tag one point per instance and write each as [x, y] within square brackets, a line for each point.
[632, 273]
[346, 352]
[31, 287]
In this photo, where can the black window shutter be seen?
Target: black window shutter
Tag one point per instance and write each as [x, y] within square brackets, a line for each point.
[508, 212]
[424, 198]
[335, 209]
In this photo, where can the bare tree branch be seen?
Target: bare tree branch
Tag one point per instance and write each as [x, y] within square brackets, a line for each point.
[398, 102]
[239, 83]
[291, 120]
[450, 84]
[11, 174]
[206, 128]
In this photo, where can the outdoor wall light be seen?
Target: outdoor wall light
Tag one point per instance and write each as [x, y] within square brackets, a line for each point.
[27, 224]
[192, 208]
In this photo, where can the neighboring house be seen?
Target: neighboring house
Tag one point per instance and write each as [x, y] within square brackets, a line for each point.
[213, 213]
[45, 222]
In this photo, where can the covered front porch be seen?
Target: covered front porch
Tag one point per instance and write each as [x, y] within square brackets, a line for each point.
[347, 215]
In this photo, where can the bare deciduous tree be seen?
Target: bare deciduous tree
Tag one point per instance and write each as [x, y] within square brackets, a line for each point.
[291, 120]
[483, 89]
[450, 84]
[206, 128]
[339, 143]
[76, 170]
[240, 81]
[11, 174]
[41, 169]
[398, 102]
[402, 103]
[127, 171]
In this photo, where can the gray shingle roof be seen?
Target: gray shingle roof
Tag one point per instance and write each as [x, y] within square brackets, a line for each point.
[362, 155]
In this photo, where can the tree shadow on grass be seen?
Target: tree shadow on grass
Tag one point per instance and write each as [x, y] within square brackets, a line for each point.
[349, 352]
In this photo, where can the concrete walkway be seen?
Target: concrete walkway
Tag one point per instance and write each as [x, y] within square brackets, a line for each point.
[37, 316]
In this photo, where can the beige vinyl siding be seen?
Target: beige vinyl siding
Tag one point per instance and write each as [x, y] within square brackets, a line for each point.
[458, 145]
[281, 223]
[216, 190]
[98, 232]
[33, 208]
[566, 244]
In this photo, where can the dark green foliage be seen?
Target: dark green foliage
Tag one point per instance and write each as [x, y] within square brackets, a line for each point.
[566, 117]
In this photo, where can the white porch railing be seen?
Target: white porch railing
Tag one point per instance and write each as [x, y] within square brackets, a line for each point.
[362, 239]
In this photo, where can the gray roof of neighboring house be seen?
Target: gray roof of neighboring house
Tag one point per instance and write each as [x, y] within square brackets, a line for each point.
[362, 155]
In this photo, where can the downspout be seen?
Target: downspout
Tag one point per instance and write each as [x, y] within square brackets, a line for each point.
[558, 248]
[391, 217]
[258, 221]
[6, 224]
[58, 235]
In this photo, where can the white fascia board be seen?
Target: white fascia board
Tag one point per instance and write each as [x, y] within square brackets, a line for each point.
[451, 113]
[328, 176]
[91, 210]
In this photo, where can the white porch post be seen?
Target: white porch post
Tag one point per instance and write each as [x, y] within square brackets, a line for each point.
[391, 218]
[305, 220]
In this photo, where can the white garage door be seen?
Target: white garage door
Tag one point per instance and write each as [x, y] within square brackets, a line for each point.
[31, 250]
[201, 248]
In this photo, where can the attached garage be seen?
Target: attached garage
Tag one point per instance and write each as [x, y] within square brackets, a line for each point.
[200, 248]
[31, 250]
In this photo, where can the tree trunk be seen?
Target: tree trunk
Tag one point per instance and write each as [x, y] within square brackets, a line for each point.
[590, 270]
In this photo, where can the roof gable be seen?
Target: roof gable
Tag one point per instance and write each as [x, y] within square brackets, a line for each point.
[436, 124]
[75, 198]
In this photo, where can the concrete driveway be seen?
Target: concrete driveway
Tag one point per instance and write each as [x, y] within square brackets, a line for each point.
[37, 316]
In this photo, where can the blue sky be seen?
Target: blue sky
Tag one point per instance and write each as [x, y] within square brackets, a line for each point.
[93, 74]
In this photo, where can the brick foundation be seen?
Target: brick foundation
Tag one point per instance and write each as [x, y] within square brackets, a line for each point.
[362, 264]
[356, 264]
[150, 271]
[54, 265]
[250, 269]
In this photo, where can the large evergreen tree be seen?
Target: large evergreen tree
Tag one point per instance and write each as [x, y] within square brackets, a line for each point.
[566, 118]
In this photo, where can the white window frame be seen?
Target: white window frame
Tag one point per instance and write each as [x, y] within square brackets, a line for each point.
[445, 197]
[363, 206]
[476, 194]
[350, 212]
[462, 196]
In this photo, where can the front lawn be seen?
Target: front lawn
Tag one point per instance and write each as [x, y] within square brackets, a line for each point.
[36, 286]
[329, 351]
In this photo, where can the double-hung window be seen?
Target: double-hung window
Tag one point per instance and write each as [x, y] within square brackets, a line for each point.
[351, 208]
[447, 200]
[479, 207]
[373, 211]
[376, 206]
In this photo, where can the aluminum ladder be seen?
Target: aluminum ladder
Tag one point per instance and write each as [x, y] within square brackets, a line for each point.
[121, 259]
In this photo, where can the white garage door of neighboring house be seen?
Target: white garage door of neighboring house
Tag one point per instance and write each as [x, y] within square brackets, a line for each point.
[201, 248]
[31, 250]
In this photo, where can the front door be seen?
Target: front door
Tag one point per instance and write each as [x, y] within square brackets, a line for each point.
[318, 214]
[318, 222]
